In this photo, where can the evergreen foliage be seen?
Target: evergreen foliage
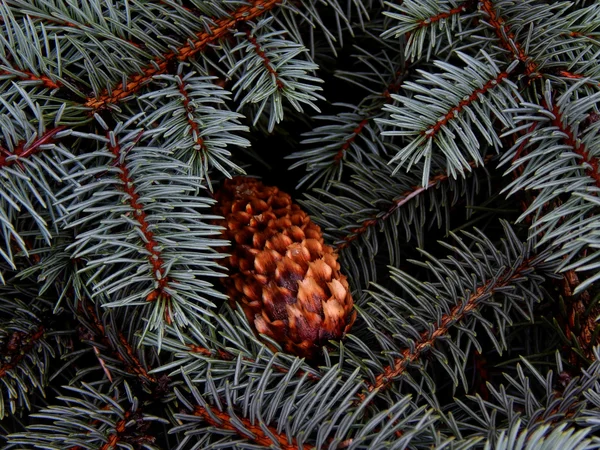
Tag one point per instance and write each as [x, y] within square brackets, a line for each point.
[449, 150]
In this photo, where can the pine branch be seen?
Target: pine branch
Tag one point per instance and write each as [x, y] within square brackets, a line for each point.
[570, 180]
[456, 315]
[29, 76]
[421, 21]
[546, 438]
[28, 343]
[506, 36]
[219, 29]
[399, 202]
[299, 408]
[254, 433]
[424, 319]
[436, 117]
[152, 234]
[113, 340]
[91, 419]
[33, 165]
[351, 136]
[204, 348]
[269, 70]
[191, 117]
[355, 215]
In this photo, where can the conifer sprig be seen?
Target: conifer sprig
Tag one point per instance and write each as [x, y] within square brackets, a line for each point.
[118, 121]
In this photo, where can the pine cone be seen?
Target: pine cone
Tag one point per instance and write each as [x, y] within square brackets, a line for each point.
[286, 279]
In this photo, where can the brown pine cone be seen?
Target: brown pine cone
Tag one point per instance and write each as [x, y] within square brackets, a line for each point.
[286, 279]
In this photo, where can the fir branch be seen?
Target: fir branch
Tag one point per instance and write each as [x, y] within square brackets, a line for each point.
[25, 149]
[25, 75]
[585, 23]
[271, 69]
[201, 348]
[506, 36]
[589, 159]
[32, 163]
[254, 433]
[375, 204]
[499, 279]
[456, 315]
[350, 136]
[219, 30]
[299, 408]
[538, 55]
[399, 201]
[116, 341]
[28, 343]
[449, 106]
[544, 438]
[535, 398]
[189, 115]
[91, 419]
[225, 356]
[16, 348]
[572, 173]
[159, 248]
[23, 54]
[421, 21]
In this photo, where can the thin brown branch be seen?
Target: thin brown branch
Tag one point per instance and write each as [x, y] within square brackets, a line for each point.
[464, 7]
[30, 76]
[131, 364]
[348, 142]
[447, 321]
[572, 141]
[24, 152]
[221, 29]
[120, 427]
[451, 114]
[507, 37]
[139, 215]
[254, 433]
[17, 347]
[404, 198]
[265, 59]
[189, 109]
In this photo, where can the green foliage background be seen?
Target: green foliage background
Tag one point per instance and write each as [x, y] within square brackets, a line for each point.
[448, 149]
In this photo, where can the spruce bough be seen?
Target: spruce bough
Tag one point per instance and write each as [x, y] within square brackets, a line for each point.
[449, 150]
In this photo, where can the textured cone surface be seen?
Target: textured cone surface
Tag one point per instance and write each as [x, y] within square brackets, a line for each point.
[286, 279]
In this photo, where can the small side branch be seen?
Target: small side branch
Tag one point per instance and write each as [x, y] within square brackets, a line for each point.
[49, 137]
[506, 36]
[30, 76]
[447, 14]
[404, 198]
[265, 59]
[226, 356]
[431, 131]
[189, 109]
[150, 244]
[255, 433]
[447, 321]
[572, 141]
[17, 347]
[348, 142]
[133, 366]
[159, 66]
